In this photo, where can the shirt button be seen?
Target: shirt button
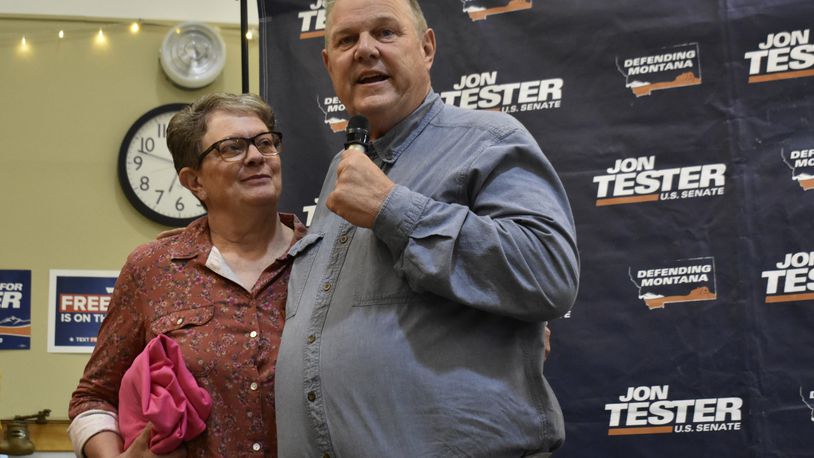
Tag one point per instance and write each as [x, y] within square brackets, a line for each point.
[256, 446]
[326, 287]
[253, 386]
[253, 334]
[343, 239]
[312, 396]
[312, 338]
[179, 321]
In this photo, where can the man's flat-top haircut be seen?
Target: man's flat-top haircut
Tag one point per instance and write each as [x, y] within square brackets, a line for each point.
[415, 8]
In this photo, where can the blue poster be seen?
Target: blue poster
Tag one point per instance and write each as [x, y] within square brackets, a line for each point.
[77, 305]
[15, 309]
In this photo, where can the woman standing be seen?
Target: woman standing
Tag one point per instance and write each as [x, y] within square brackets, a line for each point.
[218, 288]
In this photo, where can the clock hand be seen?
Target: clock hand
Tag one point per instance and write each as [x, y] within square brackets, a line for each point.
[172, 183]
[156, 156]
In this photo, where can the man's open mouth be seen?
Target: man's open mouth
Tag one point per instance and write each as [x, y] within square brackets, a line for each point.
[368, 79]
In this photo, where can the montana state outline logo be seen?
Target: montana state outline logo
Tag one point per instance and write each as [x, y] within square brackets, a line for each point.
[479, 10]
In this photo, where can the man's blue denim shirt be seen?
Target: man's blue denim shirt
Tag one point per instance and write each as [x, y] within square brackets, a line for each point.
[424, 335]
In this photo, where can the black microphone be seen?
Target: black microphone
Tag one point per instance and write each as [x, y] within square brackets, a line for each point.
[358, 133]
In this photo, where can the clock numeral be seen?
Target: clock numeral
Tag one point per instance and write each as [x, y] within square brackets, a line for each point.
[138, 161]
[179, 205]
[147, 145]
[162, 130]
[160, 195]
[145, 184]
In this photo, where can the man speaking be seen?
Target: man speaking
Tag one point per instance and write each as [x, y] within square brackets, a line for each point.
[418, 301]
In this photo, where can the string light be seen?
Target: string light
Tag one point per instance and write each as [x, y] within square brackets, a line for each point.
[99, 31]
[101, 39]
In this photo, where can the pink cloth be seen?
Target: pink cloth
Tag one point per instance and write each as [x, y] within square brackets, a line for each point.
[158, 388]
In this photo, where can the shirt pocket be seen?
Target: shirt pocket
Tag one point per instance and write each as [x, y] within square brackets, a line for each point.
[195, 334]
[398, 298]
[387, 289]
[304, 253]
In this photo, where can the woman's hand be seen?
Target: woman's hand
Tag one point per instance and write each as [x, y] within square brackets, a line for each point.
[140, 448]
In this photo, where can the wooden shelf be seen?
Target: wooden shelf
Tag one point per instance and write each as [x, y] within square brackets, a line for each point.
[50, 437]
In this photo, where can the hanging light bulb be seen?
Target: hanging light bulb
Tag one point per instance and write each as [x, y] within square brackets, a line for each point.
[249, 35]
[135, 27]
[61, 34]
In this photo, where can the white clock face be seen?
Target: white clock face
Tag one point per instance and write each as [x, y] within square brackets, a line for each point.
[152, 176]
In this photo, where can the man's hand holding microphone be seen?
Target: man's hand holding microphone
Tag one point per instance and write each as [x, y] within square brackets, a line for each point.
[361, 186]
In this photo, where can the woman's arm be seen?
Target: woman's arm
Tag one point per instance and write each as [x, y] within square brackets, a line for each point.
[108, 444]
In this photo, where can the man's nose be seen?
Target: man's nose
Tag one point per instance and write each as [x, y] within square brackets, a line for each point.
[366, 47]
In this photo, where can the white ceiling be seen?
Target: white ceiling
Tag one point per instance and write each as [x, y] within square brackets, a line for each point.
[212, 11]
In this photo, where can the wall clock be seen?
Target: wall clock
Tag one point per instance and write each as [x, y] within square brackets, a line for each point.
[192, 55]
[147, 175]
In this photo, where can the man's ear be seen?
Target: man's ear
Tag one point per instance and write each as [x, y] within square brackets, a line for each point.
[190, 179]
[428, 46]
[326, 61]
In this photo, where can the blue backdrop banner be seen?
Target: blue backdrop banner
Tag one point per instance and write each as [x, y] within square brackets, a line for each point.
[683, 134]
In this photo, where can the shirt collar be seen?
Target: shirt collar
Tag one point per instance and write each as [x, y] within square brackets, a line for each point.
[194, 241]
[397, 139]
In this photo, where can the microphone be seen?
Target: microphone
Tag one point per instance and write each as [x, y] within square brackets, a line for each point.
[358, 133]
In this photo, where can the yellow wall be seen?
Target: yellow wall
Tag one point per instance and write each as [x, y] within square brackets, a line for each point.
[65, 107]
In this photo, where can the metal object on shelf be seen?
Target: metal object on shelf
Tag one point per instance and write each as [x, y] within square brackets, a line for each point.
[16, 439]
